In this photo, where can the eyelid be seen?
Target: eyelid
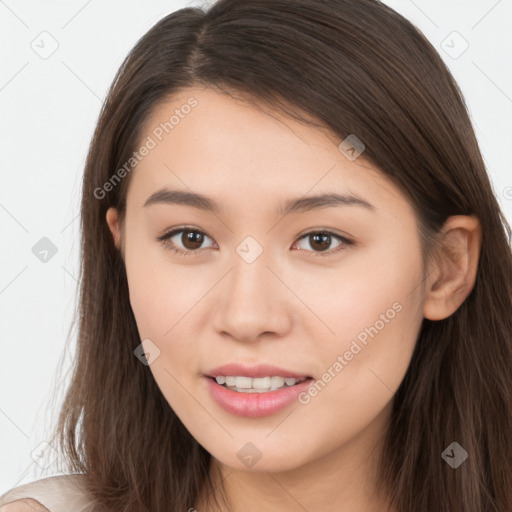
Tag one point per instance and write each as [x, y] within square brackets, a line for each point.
[172, 231]
[329, 231]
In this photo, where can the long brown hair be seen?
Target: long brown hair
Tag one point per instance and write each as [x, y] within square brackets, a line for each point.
[356, 67]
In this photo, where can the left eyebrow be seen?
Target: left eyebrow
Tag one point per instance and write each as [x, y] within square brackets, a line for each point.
[308, 203]
[301, 204]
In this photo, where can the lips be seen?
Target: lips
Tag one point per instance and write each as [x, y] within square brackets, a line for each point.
[260, 370]
[254, 405]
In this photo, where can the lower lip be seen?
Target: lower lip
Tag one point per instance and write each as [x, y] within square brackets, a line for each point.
[254, 405]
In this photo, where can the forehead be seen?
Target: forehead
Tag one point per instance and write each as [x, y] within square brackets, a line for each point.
[209, 143]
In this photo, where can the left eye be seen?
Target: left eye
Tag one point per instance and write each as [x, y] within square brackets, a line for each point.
[192, 239]
[321, 240]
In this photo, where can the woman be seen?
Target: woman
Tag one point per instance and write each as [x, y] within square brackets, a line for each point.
[296, 279]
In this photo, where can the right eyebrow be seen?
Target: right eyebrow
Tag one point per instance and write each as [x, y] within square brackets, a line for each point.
[167, 196]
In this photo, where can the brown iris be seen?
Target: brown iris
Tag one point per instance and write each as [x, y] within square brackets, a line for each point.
[321, 242]
[193, 238]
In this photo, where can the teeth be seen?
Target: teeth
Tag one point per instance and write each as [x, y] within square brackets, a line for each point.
[242, 382]
[257, 384]
[277, 382]
[261, 382]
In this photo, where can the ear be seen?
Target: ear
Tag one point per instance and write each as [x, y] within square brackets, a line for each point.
[453, 276]
[113, 224]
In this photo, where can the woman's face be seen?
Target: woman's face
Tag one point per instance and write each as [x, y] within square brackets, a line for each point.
[257, 283]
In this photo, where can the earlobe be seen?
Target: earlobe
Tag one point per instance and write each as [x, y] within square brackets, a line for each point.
[453, 275]
[113, 224]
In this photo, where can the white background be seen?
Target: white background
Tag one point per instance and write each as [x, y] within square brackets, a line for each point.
[48, 111]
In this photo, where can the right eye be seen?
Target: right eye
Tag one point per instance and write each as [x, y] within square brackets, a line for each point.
[190, 238]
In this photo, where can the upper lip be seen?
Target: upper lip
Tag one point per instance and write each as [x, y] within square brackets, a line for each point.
[259, 370]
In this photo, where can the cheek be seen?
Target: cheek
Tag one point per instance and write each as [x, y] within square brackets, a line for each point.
[371, 313]
[161, 292]
[163, 296]
[376, 321]
[365, 285]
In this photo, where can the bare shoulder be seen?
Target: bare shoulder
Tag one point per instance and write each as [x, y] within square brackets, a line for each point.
[24, 505]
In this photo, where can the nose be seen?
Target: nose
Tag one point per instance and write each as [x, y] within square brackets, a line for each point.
[252, 301]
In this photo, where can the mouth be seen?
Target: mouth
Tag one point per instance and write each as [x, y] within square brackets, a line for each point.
[243, 384]
[254, 397]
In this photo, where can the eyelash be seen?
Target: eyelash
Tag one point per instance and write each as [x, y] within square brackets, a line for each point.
[164, 239]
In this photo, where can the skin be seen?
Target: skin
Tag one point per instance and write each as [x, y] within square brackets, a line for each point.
[294, 306]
